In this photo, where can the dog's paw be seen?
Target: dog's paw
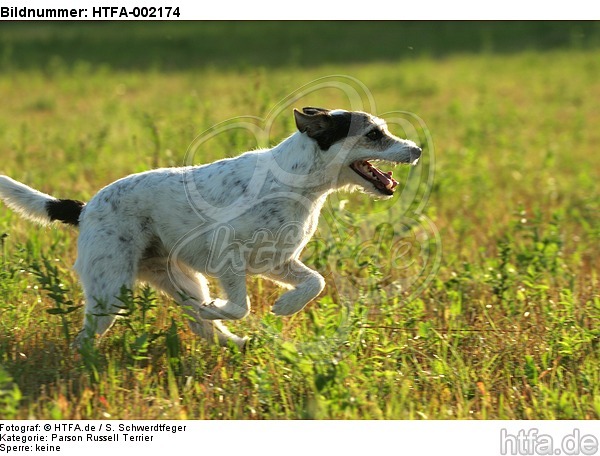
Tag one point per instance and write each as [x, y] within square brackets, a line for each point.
[243, 344]
[220, 309]
[212, 310]
[286, 305]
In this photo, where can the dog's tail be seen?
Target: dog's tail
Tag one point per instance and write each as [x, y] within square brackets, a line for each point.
[38, 206]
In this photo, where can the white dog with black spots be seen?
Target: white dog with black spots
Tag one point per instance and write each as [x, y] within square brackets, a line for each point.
[252, 214]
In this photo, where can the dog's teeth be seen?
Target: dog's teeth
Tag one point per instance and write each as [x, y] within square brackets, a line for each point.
[383, 178]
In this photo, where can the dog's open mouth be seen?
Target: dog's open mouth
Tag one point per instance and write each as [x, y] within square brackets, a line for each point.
[384, 182]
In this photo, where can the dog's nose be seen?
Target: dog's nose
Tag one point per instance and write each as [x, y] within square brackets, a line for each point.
[415, 153]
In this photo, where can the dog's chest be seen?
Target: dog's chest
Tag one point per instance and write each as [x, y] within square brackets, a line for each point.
[274, 231]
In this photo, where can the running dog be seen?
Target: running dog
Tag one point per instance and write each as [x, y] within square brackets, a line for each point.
[252, 214]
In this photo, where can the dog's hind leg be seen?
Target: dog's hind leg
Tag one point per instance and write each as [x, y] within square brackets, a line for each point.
[306, 285]
[103, 283]
[191, 291]
[107, 264]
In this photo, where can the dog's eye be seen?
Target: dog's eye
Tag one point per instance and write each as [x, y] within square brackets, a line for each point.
[374, 135]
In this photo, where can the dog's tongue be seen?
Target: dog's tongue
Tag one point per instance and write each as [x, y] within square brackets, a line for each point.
[386, 179]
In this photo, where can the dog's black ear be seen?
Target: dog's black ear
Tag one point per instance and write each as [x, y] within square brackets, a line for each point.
[321, 126]
[312, 122]
[310, 110]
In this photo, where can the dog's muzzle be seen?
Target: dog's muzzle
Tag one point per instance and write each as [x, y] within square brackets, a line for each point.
[415, 154]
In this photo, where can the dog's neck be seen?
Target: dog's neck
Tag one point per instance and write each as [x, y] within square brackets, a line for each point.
[302, 167]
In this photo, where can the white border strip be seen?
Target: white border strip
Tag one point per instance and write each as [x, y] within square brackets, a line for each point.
[265, 438]
[305, 10]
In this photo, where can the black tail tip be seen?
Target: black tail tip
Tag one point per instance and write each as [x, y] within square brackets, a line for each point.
[65, 210]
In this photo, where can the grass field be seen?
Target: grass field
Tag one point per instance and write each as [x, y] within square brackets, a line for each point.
[483, 303]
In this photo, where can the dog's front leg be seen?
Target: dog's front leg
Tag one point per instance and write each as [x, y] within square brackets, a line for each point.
[236, 306]
[306, 283]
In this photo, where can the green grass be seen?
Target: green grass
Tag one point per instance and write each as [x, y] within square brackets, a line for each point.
[508, 326]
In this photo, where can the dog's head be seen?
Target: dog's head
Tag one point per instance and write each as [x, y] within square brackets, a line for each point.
[352, 139]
